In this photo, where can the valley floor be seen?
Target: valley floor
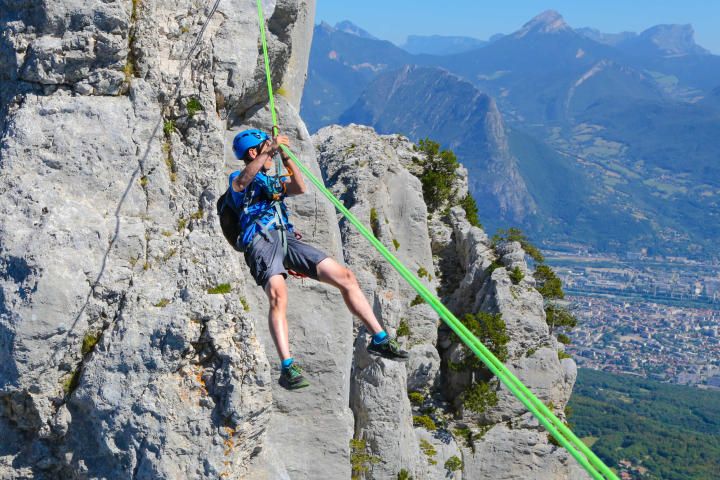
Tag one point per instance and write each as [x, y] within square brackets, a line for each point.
[652, 317]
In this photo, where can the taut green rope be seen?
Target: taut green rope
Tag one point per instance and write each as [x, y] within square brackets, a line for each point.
[592, 464]
[267, 65]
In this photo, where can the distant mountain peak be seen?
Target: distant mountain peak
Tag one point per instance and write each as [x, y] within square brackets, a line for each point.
[325, 27]
[549, 21]
[440, 44]
[612, 39]
[673, 39]
[348, 27]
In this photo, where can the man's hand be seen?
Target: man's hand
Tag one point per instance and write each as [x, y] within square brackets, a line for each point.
[276, 142]
[294, 184]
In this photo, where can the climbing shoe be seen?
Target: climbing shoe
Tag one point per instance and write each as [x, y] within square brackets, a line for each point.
[388, 348]
[292, 377]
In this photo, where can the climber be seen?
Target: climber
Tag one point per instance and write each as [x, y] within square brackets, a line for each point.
[270, 247]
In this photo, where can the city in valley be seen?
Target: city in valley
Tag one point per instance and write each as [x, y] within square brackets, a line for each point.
[657, 318]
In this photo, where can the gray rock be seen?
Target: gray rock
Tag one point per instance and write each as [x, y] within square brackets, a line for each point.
[440, 448]
[294, 20]
[382, 415]
[423, 369]
[368, 173]
[64, 43]
[519, 453]
[532, 354]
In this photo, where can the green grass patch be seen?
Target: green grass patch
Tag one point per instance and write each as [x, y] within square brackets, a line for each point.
[404, 475]
[71, 383]
[454, 464]
[193, 106]
[494, 265]
[360, 459]
[491, 330]
[471, 210]
[516, 275]
[220, 289]
[88, 343]
[429, 451]
[374, 222]
[417, 300]
[425, 422]
[479, 396]
[404, 329]
[562, 354]
[245, 305]
[169, 127]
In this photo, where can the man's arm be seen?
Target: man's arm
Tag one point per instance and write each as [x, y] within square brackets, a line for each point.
[251, 169]
[294, 185]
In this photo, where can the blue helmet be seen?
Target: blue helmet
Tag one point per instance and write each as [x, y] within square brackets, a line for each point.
[248, 139]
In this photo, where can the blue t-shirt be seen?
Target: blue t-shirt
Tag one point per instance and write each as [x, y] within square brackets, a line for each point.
[261, 189]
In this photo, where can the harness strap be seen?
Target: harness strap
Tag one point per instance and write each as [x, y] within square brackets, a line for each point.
[277, 221]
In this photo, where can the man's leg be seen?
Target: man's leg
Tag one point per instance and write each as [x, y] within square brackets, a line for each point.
[276, 291]
[331, 272]
[291, 376]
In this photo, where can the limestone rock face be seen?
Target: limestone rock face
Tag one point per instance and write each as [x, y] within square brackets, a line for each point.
[117, 360]
[532, 353]
[75, 42]
[532, 356]
[368, 173]
[519, 452]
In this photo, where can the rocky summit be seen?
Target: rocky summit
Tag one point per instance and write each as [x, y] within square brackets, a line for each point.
[133, 340]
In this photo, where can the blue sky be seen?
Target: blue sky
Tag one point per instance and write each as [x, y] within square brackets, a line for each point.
[394, 20]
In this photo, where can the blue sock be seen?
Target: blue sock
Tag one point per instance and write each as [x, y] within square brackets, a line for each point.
[379, 337]
[286, 363]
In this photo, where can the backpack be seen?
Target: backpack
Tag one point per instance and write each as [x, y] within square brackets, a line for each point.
[229, 219]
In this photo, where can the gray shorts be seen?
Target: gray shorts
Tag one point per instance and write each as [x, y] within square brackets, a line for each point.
[265, 258]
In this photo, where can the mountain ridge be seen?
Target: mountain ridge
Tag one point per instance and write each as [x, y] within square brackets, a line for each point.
[440, 44]
[389, 104]
[348, 27]
[549, 80]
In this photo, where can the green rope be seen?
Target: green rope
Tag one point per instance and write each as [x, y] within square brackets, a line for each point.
[278, 165]
[267, 65]
[592, 464]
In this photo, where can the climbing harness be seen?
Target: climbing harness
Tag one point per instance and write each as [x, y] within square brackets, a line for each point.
[585, 457]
